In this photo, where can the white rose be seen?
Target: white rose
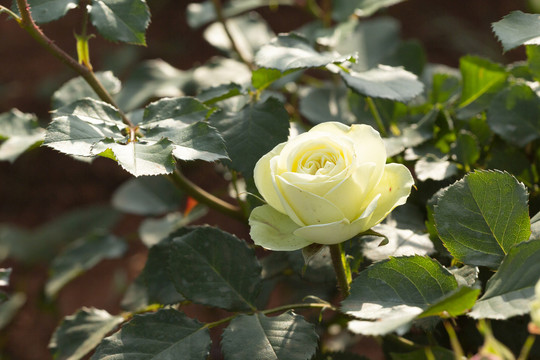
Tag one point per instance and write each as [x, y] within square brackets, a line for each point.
[325, 186]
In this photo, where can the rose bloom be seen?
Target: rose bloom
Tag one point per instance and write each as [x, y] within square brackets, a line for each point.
[325, 186]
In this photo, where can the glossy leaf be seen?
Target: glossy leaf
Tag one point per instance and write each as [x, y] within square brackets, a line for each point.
[82, 255]
[481, 217]
[284, 337]
[384, 82]
[78, 88]
[514, 115]
[394, 292]
[453, 304]
[518, 28]
[44, 11]
[342, 9]
[121, 20]
[509, 292]
[204, 267]
[291, 51]
[18, 133]
[252, 132]
[147, 196]
[328, 103]
[219, 93]
[166, 334]
[434, 168]
[220, 71]
[80, 333]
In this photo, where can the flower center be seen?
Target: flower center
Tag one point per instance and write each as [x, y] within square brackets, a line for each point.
[318, 164]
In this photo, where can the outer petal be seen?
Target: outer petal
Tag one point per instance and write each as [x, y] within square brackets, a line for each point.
[274, 230]
[339, 231]
[306, 208]
[394, 188]
[263, 175]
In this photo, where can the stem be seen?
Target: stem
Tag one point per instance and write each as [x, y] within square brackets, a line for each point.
[339, 262]
[273, 310]
[527, 346]
[205, 197]
[28, 24]
[376, 116]
[10, 13]
[221, 18]
[456, 346]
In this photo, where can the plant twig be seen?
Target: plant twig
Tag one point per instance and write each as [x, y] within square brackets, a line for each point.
[10, 13]
[205, 197]
[28, 24]
[339, 263]
[377, 116]
[456, 346]
[221, 18]
[527, 346]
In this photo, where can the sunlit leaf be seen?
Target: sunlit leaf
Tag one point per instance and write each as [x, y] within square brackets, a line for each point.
[78, 88]
[481, 217]
[518, 28]
[480, 76]
[80, 333]
[509, 292]
[18, 133]
[121, 20]
[44, 11]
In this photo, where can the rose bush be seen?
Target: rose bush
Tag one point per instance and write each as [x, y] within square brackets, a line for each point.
[325, 186]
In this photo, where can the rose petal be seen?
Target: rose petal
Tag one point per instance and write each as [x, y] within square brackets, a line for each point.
[309, 208]
[264, 179]
[273, 230]
[394, 188]
[339, 231]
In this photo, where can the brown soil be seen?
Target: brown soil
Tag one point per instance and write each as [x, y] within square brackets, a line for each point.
[42, 184]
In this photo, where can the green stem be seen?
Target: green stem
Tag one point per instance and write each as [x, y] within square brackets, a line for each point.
[28, 24]
[273, 310]
[527, 346]
[456, 346]
[205, 197]
[221, 18]
[340, 264]
[376, 116]
[10, 13]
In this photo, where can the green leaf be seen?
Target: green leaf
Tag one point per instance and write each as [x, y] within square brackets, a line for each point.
[45, 241]
[292, 51]
[121, 20]
[44, 11]
[249, 32]
[252, 132]
[219, 93]
[514, 115]
[141, 158]
[151, 79]
[480, 217]
[154, 285]
[218, 71]
[147, 196]
[284, 337]
[479, 77]
[262, 78]
[453, 304]
[153, 231]
[466, 149]
[199, 14]
[80, 256]
[327, 103]
[510, 291]
[19, 131]
[77, 127]
[166, 334]
[533, 60]
[342, 9]
[10, 308]
[394, 292]
[375, 40]
[182, 121]
[384, 82]
[517, 28]
[78, 88]
[220, 279]
[80, 333]
[434, 168]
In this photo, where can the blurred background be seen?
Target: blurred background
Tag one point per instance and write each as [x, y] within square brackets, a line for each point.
[42, 184]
